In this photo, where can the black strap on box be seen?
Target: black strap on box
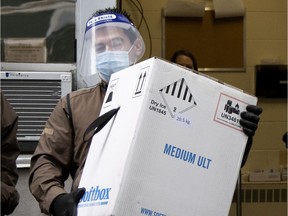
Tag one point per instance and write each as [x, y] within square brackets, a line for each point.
[99, 123]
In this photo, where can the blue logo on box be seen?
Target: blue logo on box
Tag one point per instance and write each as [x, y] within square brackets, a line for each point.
[95, 196]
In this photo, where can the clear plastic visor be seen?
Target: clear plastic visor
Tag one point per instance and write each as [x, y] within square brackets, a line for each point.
[107, 37]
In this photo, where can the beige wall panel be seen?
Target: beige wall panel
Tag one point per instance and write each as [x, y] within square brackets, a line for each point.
[146, 4]
[274, 110]
[266, 5]
[262, 160]
[261, 25]
[281, 25]
[269, 136]
[258, 50]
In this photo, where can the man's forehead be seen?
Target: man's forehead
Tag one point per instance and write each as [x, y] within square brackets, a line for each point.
[108, 33]
[110, 29]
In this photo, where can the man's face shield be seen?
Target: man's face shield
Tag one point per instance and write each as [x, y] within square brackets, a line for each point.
[111, 43]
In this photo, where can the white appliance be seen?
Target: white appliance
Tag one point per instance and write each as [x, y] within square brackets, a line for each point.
[33, 90]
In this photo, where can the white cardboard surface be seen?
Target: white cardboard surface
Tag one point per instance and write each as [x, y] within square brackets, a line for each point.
[174, 148]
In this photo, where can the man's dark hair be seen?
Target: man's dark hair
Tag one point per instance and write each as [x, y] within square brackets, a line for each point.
[185, 53]
[129, 32]
[113, 10]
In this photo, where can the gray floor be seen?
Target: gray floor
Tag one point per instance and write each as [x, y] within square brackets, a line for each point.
[28, 206]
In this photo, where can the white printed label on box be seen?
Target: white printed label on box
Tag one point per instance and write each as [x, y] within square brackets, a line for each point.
[228, 111]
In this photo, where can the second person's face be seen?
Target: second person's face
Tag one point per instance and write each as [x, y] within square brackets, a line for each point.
[184, 61]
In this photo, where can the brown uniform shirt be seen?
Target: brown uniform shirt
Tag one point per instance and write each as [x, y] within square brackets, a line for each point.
[9, 153]
[61, 151]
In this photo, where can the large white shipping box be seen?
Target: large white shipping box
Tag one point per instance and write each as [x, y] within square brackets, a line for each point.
[174, 148]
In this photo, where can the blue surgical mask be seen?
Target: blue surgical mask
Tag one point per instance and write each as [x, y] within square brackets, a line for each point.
[110, 62]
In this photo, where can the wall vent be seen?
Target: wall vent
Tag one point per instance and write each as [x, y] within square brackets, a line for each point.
[33, 96]
[33, 101]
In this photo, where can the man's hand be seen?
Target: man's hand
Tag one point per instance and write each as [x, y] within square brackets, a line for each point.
[249, 121]
[66, 204]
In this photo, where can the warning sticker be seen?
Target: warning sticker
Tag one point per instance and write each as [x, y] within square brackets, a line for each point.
[228, 111]
[178, 97]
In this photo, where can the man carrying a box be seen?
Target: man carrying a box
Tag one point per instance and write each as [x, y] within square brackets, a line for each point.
[111, 44]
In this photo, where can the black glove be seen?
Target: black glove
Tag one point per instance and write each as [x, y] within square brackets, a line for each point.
[249, 121]
[66, 204]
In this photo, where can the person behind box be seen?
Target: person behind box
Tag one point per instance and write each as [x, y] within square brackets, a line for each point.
[9, 153]
[111, 43]
[185, 58]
